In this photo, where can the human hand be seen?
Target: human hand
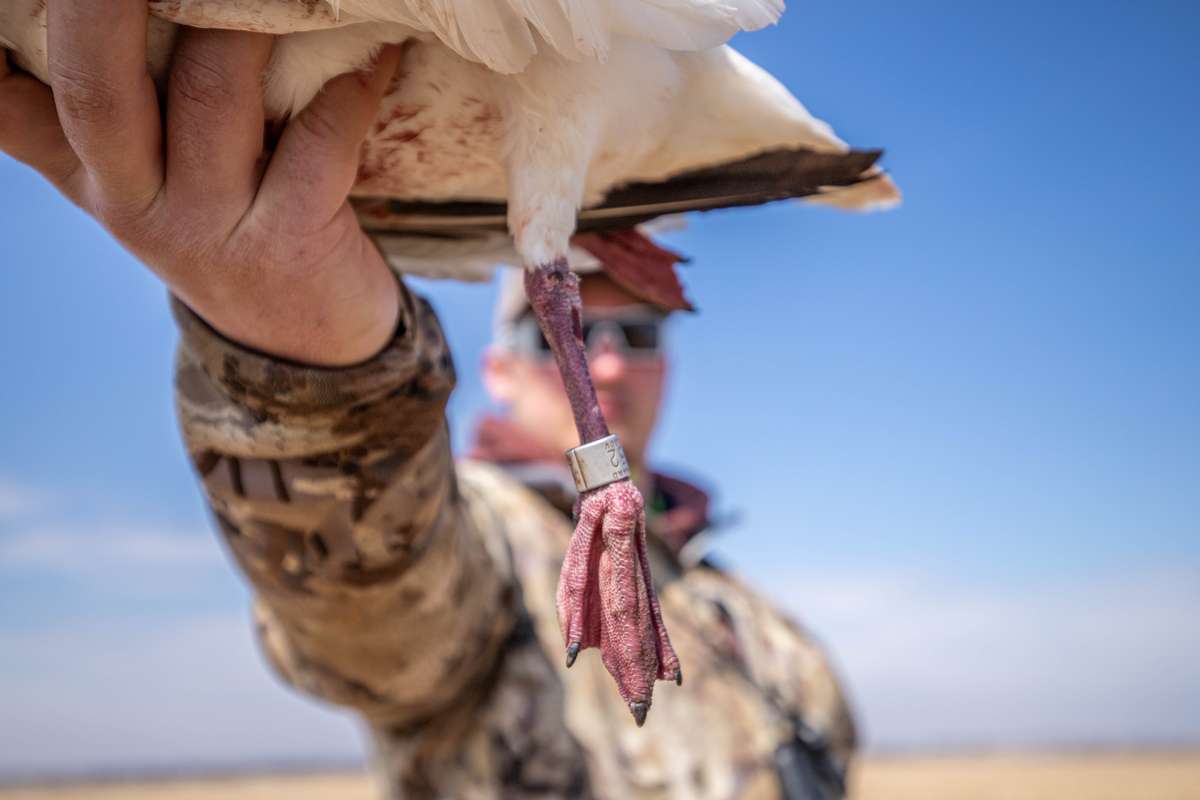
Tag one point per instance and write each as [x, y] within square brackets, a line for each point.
[263, 246]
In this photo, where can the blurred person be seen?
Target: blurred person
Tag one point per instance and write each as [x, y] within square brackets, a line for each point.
[311, 389]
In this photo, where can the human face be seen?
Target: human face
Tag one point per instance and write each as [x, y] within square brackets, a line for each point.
[629, 384]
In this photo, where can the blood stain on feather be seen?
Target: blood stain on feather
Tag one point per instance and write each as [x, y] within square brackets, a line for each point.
[434, 139]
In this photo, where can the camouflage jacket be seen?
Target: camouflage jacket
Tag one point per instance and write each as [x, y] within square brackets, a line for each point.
[420, 593]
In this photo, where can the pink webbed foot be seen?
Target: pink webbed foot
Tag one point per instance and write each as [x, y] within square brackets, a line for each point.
[606, 598]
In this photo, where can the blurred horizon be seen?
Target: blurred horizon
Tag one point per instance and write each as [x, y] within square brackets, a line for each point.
[962, 438]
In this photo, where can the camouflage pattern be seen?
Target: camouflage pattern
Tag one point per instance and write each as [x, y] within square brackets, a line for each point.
[421, 594]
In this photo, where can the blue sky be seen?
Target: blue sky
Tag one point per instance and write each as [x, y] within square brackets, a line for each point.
[962, 438]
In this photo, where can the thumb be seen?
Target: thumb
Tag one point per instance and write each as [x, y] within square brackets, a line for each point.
[30, 131]
[316, 163]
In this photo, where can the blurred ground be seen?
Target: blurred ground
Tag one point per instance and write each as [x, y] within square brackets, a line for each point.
[1159, 776]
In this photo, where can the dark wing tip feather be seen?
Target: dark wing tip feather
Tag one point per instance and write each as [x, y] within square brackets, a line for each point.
[781, 174]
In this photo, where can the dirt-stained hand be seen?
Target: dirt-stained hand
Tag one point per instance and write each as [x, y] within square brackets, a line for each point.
[267, 250]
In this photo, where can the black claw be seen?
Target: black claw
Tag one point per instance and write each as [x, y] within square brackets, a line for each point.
[678, 677]
[639, 712]
[572, 654]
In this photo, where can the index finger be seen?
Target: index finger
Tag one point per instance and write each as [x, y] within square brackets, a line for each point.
[105, 98]
[29, 128]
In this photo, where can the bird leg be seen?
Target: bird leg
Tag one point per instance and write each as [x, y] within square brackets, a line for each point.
[605, 597]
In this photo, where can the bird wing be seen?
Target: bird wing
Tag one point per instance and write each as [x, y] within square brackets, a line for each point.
[467, 240]
[726, 109]
[500, 33]
[848, 180]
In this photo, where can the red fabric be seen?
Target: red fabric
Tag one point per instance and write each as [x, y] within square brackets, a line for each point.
[499, 441]
[639, 266]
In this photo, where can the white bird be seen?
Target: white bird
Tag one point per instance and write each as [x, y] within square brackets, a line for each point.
[510, 124]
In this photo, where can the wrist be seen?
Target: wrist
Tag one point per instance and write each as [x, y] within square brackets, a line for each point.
[328, 318]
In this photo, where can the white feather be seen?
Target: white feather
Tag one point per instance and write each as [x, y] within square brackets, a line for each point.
[549, 19]
[473, 259]
[753, 15]
[497, 33]
[301, 63]
[879, 193]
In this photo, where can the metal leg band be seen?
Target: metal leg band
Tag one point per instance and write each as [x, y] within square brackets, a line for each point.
[598, 463]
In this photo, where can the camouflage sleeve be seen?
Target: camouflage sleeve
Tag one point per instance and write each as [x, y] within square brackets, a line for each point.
[809, 687]
[335, 491]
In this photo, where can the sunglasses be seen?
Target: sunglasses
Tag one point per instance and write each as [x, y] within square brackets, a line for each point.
[636, 333]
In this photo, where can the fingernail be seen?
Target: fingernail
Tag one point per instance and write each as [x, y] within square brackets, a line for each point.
[639, 713]
[572, 654]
